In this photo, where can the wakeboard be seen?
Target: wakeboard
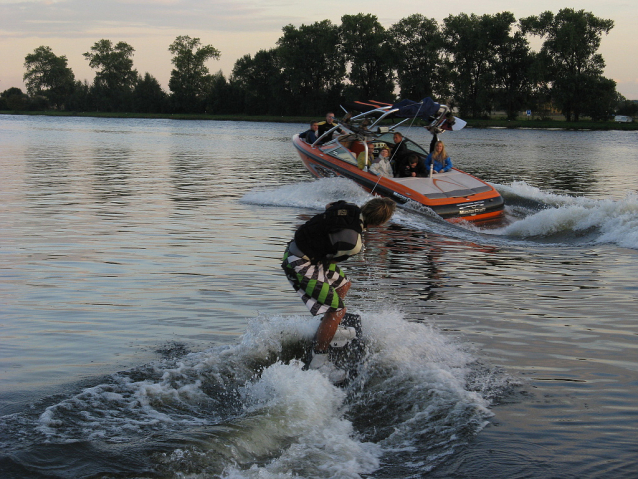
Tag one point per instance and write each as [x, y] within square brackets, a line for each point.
[347, 353]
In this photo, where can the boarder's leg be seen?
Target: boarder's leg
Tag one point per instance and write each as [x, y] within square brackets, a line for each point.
[343, 290]
[327, 329]
[330, 322]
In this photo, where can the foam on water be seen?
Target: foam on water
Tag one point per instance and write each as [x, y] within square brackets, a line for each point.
[533, 215]
[598, 220]
[249, 410]
[309, 194]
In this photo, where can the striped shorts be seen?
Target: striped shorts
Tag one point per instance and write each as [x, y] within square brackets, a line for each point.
[316, 284]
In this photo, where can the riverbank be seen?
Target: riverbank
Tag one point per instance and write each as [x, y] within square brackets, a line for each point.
[544, 124]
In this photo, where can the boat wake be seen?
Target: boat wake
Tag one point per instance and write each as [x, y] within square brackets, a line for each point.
[544, 216]
[533, 216]
[249, 410]
[313, 194]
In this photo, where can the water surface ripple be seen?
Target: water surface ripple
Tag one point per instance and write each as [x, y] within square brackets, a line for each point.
[146, 329]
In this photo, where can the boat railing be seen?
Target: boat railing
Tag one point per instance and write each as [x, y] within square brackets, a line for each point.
[385, 112]
[443, 111]
[327, 133]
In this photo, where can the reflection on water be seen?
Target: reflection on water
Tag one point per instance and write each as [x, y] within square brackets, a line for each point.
[129, 244]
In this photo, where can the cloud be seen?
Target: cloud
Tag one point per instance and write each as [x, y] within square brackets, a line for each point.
[79, 18]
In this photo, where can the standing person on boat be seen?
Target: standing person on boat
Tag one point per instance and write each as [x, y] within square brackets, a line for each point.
[439, 156]
[326, 125]
[399, 152]
[310, 263]
[381, 166]
[310, 135]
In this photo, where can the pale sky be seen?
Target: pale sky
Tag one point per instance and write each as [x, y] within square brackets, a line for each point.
[238, 27]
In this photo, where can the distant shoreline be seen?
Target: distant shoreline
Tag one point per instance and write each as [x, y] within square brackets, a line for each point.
[471, 123]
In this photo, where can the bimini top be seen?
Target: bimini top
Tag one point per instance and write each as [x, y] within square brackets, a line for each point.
[425, 109]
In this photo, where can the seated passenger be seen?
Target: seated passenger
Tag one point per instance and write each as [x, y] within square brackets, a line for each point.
[361, 159]
[413, 167]
[439, 156]
[310, 135]
[381, 166]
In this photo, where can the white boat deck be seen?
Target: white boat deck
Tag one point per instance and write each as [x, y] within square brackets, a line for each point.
[453, 184]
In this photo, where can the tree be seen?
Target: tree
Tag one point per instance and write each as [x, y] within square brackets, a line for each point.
[189, 78]
[14, 99]
[148, 96]
[264, 89]
[601, 98]
[472, 43]
[626, 107]
[48, 75]
[80, 99]
[312, 61]
[515, 75]
[569, 52]
[370, 58]
[417, 44]
[115, 78]
[222, 96]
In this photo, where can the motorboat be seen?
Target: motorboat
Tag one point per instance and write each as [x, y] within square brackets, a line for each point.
[453, 195]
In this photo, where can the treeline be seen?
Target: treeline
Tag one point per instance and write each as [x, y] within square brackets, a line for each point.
[476, 63]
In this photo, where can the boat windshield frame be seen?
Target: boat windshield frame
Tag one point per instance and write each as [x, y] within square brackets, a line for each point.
[388, 138]
[335, 149]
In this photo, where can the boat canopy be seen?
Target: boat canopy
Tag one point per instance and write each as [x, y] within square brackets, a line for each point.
[425, 109]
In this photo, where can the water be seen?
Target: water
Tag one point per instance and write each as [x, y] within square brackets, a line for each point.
[146, 329]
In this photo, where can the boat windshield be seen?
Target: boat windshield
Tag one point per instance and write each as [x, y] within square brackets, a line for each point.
[337, 150]
[388, 138]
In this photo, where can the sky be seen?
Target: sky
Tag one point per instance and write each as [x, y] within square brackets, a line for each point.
[240, 27]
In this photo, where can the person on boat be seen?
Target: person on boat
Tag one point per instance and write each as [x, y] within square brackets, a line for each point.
[310, 264]
[442, 162]
[310, 135]
[413, 167]
[326, 125]
[399, 152]
[381, 166]
[362, 161]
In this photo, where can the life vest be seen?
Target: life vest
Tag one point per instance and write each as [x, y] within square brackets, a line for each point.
[313, 238]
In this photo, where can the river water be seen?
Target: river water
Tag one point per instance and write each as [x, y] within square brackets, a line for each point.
[147, 331]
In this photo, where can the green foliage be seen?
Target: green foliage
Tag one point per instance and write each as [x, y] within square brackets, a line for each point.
[148, 96]
[13, 99]
[515, 75]
[262, 83]
[115, 78]
[569, 55]
[80, 99]
[476, 63]
[627, 107]
[313, 64]
[222, 96]
[190, 77]
[48, 75]
[369, 55]
[472, 43]
[417, 46]
[601, 98]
